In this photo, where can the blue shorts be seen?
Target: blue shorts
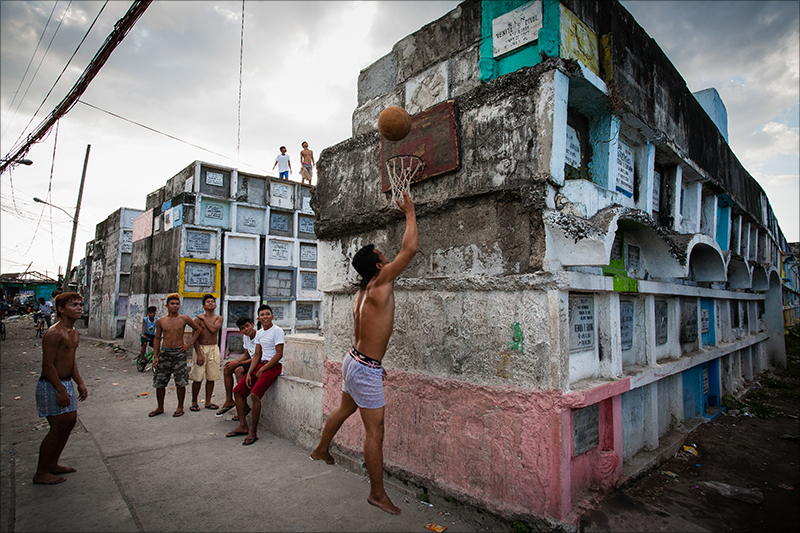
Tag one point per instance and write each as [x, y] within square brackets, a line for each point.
[284, 175]
[363, 381]
[47, 398]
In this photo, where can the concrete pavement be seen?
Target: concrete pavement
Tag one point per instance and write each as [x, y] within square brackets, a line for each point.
[176, 474]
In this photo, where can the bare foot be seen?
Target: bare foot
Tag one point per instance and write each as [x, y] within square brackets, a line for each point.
[62, 470]
[384, 503]
[48, 479]
[323, 456]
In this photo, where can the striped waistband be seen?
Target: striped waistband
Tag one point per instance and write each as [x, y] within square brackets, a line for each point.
[363, 359]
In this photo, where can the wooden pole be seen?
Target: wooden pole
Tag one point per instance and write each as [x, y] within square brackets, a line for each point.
[75, 220]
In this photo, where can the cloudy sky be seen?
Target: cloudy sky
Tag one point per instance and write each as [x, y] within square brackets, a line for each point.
[177, 72]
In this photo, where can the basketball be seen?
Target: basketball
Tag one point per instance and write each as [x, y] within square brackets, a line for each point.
[394, 123]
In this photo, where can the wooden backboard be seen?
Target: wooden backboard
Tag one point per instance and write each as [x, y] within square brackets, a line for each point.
[433, 137]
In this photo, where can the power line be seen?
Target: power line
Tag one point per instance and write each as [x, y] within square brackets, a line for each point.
[30, 62]
[121, 29]
[85, 35]
[165, 134]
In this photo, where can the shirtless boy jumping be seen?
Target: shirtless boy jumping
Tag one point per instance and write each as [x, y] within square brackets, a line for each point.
[172, 360]
[362, 373]
[55, 393]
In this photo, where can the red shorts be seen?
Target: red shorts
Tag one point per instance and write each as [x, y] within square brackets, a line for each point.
[261, 385]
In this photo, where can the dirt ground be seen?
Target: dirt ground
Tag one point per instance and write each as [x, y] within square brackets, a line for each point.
[753, 446]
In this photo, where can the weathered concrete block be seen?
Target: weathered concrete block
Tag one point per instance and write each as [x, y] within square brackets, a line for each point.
[292, 409]
[439, 40]
[365, 117]
[377, 79]
[303, 356]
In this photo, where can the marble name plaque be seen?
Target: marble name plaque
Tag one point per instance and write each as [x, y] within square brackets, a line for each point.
[516, 28]
[581, 323]
[662, 322]
[198, 242]
[626, 324]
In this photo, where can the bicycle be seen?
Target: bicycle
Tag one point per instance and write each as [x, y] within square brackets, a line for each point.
[143, 363]
[41, 327]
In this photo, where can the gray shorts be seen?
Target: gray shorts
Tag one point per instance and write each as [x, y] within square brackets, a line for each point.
[364, 383]
[171, 362]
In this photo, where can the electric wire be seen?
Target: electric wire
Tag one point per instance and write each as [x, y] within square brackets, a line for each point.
[16, 93]
[62, 71]
[49, 189]
[121, 29]
[165, 134]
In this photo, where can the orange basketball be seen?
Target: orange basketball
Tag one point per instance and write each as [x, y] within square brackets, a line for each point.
[394, 123]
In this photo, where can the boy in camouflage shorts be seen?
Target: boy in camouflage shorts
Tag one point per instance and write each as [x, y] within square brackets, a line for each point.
[170, 359]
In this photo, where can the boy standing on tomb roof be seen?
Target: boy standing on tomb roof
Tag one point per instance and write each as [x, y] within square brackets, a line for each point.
[283, 164]
[307, 160]
[362, 373]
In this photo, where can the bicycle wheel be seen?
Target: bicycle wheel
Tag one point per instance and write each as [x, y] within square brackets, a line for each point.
[40, 329]
[140, 363]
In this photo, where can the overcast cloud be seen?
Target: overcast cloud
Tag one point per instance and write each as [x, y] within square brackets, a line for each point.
[178, 72]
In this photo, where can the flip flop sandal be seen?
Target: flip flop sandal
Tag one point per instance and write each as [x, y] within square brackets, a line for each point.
[212, 406]
[194, 408]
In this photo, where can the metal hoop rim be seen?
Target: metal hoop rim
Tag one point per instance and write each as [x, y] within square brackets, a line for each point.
[418, 158]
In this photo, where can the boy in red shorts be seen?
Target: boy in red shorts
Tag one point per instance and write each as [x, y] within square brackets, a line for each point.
[262, 373]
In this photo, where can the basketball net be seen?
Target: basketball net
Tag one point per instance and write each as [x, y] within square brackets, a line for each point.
[402, 169]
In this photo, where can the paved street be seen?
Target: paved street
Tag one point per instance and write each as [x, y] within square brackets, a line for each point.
[175, 474]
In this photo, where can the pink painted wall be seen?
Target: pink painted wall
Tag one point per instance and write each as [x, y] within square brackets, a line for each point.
[507, 448]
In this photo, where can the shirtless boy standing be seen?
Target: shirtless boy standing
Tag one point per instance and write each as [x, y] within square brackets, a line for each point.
[170, 359]
[362, 373]
[205, 361]
[307, 160]
[55, 393]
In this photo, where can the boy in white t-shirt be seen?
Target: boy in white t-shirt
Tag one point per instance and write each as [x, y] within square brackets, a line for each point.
[283, 164]
[239, 367]
[267, 367]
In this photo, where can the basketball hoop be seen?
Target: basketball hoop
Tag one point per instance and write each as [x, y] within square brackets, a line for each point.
[402, 169]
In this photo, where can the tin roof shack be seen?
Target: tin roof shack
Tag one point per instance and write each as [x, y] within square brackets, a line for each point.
[595, 264]
[111, 268]
[29, 284]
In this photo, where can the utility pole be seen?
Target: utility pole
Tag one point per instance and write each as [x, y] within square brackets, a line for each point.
[75, 220]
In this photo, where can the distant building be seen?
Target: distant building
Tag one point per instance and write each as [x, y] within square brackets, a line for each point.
[109, 275]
